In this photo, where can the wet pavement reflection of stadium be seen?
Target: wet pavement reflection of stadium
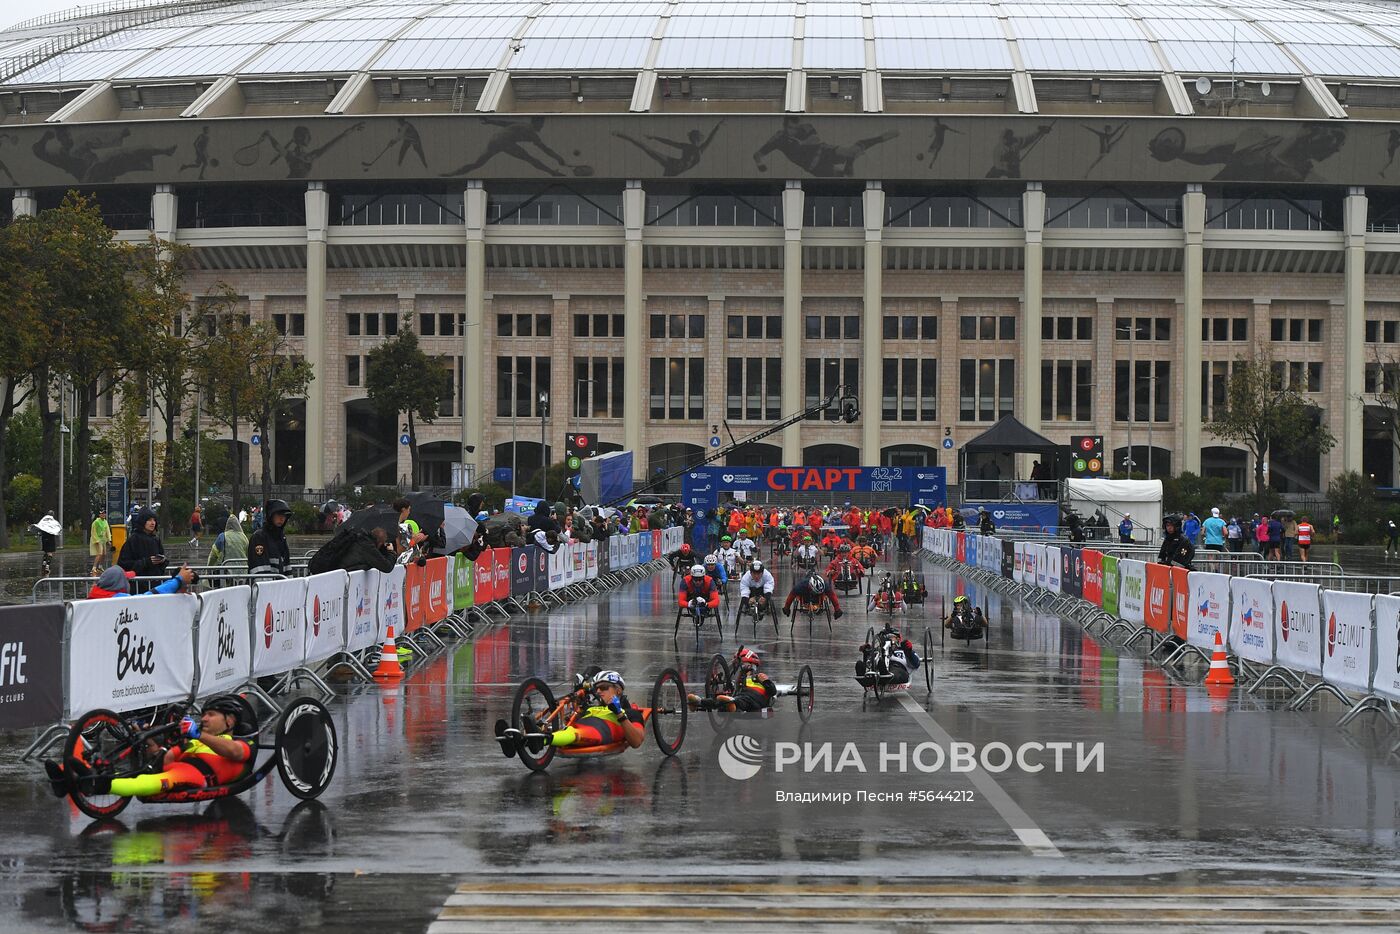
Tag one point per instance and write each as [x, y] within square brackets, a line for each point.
[1198, 798]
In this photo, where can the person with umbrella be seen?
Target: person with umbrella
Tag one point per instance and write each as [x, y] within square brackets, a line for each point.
[49, 530]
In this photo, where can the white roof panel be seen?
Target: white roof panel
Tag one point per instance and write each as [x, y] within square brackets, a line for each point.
[442, 55]
[79, 66]
[757, 52]
[348, 30]
[824, 52]
[570, 27]
[315, 57]
[714, 27]
[940, 54]
[948, 27]
[1087, 55]
[190, 61]
[595, 52]
[456, 27]
[1251, 58]
[836, 27]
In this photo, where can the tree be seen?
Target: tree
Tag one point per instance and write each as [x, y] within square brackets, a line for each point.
[223, 373]
[274, 376]
[402, 379]
[20, 322]
[1385, 377]
[95, 315]
[1353, 500]
[169, 350]
[1266, 416]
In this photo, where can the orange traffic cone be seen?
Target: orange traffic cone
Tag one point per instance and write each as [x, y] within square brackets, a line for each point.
[389, 668]
[1219, 674]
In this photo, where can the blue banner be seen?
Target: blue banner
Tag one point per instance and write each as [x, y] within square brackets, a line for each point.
[1026, 517]
[701, 487]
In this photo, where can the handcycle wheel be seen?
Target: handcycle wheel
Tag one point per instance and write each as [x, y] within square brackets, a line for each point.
[806, 693]
[669, 712]
[717, 680]
[870, 637]
[103, 740]
[306, 748]
[926, 659]
[533, 703]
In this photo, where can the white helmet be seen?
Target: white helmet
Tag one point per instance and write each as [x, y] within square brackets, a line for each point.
[756, 567]
[610, 677]
[711, 559]
[697, 570]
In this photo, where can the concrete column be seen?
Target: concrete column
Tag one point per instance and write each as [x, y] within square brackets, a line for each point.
[1193, 226]
[408, 319]
[561, 364]
[871, 326]
[317, 214]
[164, 212]
[474, 370]
[793, 208]
[23, 203]
[1033, 215]
[1354, 330]
[634, 325]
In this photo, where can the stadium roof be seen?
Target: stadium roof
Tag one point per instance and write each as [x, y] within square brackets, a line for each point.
[140, 42]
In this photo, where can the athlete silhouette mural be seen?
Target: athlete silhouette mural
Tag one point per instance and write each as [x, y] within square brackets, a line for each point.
[686, 156]
[799, 142]
[512, 139]
[1256, 154]
[296, 151]
[96, 155]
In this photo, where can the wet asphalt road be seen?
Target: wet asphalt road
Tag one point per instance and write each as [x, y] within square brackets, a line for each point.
[1198, 799]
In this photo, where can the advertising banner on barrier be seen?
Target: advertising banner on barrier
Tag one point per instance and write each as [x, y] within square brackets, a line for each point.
[590, 557]
[31, 665]
[391, 601]
[1008, 560]
[1251, 619]
[615, 551]
[325, 615]
[500, 560]
[1132, 590]
[1298, 626]
[539, 580]
[1208, 610]
[126, 654]
[463, 582]
[970, 542]
[1053, 567]
[224, 650]
[437, 590]
[1072, 574]
[483, 578]
[643, 548]
[1157, 611]
[1386, 681]
[522, 567]
[1042, 566]
[412, 597]
[556, 567]
[604, 559]
[1346, 661]
[279, 626]
[657, 546]
[569, 551]
[1181, 598]
[960, 547]
[362, 609]
[1109, 576]
[1018, 559]
[1091, 587]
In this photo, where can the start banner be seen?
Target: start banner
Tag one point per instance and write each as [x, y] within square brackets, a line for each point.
[124, 654]
[31, 665]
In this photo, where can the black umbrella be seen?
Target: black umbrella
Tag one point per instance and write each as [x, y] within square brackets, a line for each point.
[426, 511]
[1283, 514]
[375, 517]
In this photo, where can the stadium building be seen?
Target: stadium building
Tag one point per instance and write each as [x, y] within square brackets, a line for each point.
[662, 215]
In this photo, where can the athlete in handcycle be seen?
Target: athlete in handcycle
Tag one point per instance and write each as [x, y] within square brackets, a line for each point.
[108, 758]
[886, 660]
[805, 557]
[966, 622]
[594, 719]
[778, 540]
[844, 572]
[912, 589]
[681, 560]
[737, 686]
[814, 596]
[698, 598]
[886, 597]
[756, 597]
[716, 571]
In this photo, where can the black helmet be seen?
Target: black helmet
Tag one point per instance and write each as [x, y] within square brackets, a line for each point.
[230, 705]
[274, 506]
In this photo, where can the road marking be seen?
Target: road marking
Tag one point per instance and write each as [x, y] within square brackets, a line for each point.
[1030, 835]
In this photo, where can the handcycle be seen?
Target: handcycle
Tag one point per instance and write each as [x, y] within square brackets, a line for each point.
[723, 676]
[535, 711]
[112, 745]
[803, 564]
[706, 612]
[885, 598]
[877, 654]
[781, 547]
[811, 610]
[752, 610]
[846, 579]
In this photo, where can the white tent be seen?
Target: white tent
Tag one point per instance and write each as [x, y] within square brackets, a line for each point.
[1140, 499]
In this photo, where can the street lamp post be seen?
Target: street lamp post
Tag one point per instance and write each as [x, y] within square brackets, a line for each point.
[63, 449]
[544, 461]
